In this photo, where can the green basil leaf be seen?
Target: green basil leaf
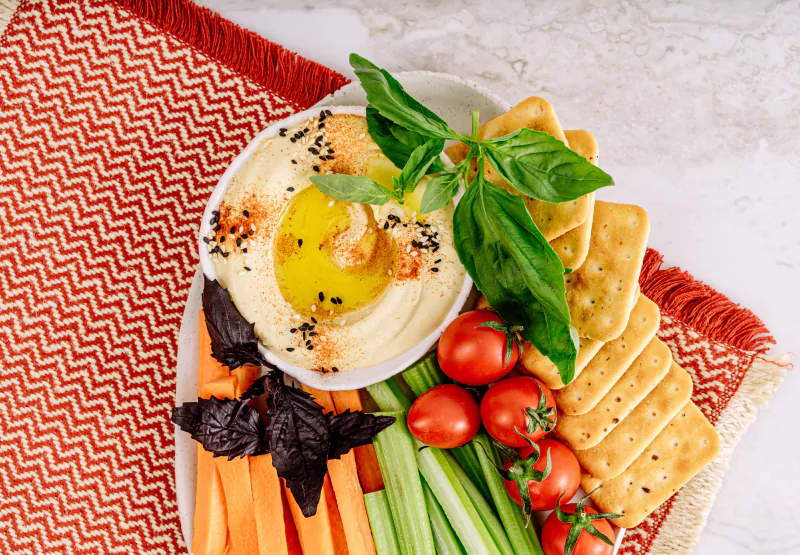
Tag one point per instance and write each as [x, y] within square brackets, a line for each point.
[440, 191]
[418, 164]
[396, 142]
[351, 188]
[516, 269]
[387, 96]
[540, 166]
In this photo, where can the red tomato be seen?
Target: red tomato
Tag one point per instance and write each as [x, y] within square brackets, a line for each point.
[554, 535]
[503, 409]
[445, 416]
[565, 476]
[475, 355]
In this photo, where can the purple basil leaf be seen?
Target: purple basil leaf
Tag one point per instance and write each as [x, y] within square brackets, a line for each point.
[353, 429]
[299, 440]
[233, 339]
[209, 422]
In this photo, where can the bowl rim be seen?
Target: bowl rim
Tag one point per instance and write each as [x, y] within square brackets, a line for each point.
[349, 379]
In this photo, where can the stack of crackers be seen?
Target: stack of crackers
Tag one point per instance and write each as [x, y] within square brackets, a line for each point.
[627, 415]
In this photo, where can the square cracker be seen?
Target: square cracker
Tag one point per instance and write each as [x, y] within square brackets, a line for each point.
[587, 430]
[573, 246]
[619, 449]
[537, 114]
[601, 292]
[537, 364]
[613, 359]
[687, 444]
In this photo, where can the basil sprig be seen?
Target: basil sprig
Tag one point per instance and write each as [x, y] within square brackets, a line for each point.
[497, 241]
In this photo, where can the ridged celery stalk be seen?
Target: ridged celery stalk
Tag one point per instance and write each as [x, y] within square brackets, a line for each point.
[443, 535]
[381, 522]
[396, 451]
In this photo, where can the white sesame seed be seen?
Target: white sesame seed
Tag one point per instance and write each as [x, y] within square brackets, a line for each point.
[241, 229]
[390, 271]
[330, 204]
[362, 136]
[224, 261]
[343, 322]
[408, 248]
[243, 272]
[244, 244]
[414, 253]
[252, 228]
[331, 312]
[413, 214]
[423, 250]
[313, 308]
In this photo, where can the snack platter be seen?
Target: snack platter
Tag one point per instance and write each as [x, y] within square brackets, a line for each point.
[606, 399]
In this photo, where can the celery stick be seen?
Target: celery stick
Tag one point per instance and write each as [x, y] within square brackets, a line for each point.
[443, 536]
[380, 520]
[456, 503]
[396, 450]
[525, 541]
[389, 396]
[484, 508]
[468, 460]
[424, 374]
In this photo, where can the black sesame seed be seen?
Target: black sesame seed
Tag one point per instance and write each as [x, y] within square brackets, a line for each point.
[213, 220]
[312, 334]
[238, 242]
[245, 236]
[215, 212]
[290, 349]
[305, 130]
[328, 157]
[313, 150]
[293, 330]
[282, 133]
[328, 112]
[333, 300]
[290, 189]
[246, 213]
[321, 126]
[308, 342]
[205, 240]
[293, 139]
[299, 242]
[437, 260]
[339, 300]
[215, 250]
[331, 151]
[434, 270]
[322, 114]
[225, 254]
[294, 161]
[304, 336]
[311, 326]
[427, 225]
[334, 369]
[222, 239]
[386, 225]
[313, 319]
[244, 250]
[248, 269]
[217, 228]
[405, 225]
[321, 296]
[315, 168]
[304, 326]
[310, 347]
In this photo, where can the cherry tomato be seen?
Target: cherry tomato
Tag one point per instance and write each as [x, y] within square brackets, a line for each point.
[554, 535]
[445, 416]
[504, 405]
[473, 354]
[565, 476]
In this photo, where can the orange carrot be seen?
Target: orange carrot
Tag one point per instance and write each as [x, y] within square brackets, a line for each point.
[238, 490]
[292, 538]
[246, 374]
[210, 510]
[269, 507]
[346, 487]
[323, 533]
[366, 460]
[209, 369]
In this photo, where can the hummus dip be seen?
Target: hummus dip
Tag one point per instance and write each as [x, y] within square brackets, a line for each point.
[331, 285]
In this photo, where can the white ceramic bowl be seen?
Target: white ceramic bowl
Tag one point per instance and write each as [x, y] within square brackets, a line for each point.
[350, 379]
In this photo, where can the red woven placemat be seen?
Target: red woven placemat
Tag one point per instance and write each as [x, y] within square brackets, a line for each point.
[116, 121]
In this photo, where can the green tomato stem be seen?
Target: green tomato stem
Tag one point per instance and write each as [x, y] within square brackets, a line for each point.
[476, 120]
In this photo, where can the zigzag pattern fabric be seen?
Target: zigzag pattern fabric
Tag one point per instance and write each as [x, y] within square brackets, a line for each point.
[112, 135]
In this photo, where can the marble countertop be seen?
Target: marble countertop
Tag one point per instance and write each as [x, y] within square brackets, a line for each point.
[696, 107]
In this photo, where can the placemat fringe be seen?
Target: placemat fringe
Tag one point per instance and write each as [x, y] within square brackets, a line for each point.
[289, 75]
[702, 308]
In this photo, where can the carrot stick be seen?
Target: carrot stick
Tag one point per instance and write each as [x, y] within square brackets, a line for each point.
[366, 460]
[323, 533]
[210, 369]
[347, 488]
[292, 538]
[271, 514]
